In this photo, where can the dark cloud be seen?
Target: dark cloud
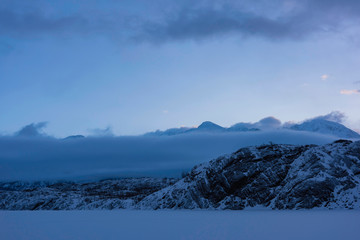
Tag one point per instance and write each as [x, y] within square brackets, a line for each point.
[339, 7]
[32, 130]
[28, 24]
[210, 20]
[190, 21]
[198, 24]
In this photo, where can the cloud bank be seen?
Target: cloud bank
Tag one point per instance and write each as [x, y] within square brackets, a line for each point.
[102, 157]
[30, 154]
[187, 20]
[335, 116]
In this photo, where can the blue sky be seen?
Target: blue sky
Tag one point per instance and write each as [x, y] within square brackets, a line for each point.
[137, 66]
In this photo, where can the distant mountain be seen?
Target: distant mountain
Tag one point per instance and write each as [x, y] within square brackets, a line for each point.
[205, 127]
[317, 125]
[209, 126]
[74, 137]
[169, 132]
[325, 127]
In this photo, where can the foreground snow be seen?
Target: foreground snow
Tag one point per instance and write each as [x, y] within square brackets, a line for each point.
[125, 224]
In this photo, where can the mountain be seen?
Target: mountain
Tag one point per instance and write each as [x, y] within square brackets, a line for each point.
[271, 176]
[74, 137]
[169, 132]
[274, 176]
[325, 127]
[106, 194]
[317, 125]
[209, 126]
[205, 127]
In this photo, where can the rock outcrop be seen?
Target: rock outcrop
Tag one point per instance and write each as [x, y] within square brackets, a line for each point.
[272, 176]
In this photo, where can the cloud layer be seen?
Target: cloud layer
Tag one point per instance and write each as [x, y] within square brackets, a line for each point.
[334, 116]
[281, 19]
[350, 92]
[30, 154]
[103, 157]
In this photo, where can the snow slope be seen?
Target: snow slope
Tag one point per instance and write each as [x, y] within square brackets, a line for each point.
[272, 176]
[106, 194]
[326, 127]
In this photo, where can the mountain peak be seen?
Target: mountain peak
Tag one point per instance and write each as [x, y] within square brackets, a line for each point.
[207, 125]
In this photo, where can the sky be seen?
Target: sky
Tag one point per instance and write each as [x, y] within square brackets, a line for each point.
[130, 67]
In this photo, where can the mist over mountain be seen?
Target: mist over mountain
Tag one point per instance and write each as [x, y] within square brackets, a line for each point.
[329, 125]
[326, 127]
[42, 158]
[31, 154]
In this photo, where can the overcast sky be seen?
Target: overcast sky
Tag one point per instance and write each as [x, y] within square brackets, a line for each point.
[136, 66]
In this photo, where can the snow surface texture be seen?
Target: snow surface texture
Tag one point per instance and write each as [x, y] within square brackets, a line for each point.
[106, 194]
[267, 176]
[176, 225]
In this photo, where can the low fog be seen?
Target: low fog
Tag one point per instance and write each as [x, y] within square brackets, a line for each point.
[93, 158]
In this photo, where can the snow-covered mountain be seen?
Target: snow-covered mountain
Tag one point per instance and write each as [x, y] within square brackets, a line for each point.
[170, 132]
[325, 127]
[209, 126]
[270, 176]
[317, 125]
[205, 127]
[107, 194]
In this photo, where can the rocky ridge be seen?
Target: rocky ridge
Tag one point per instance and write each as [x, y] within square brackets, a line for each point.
[274, 176]
[107, 194]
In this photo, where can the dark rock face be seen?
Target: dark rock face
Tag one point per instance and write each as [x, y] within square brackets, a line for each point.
[273, 176]
[268, 176]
